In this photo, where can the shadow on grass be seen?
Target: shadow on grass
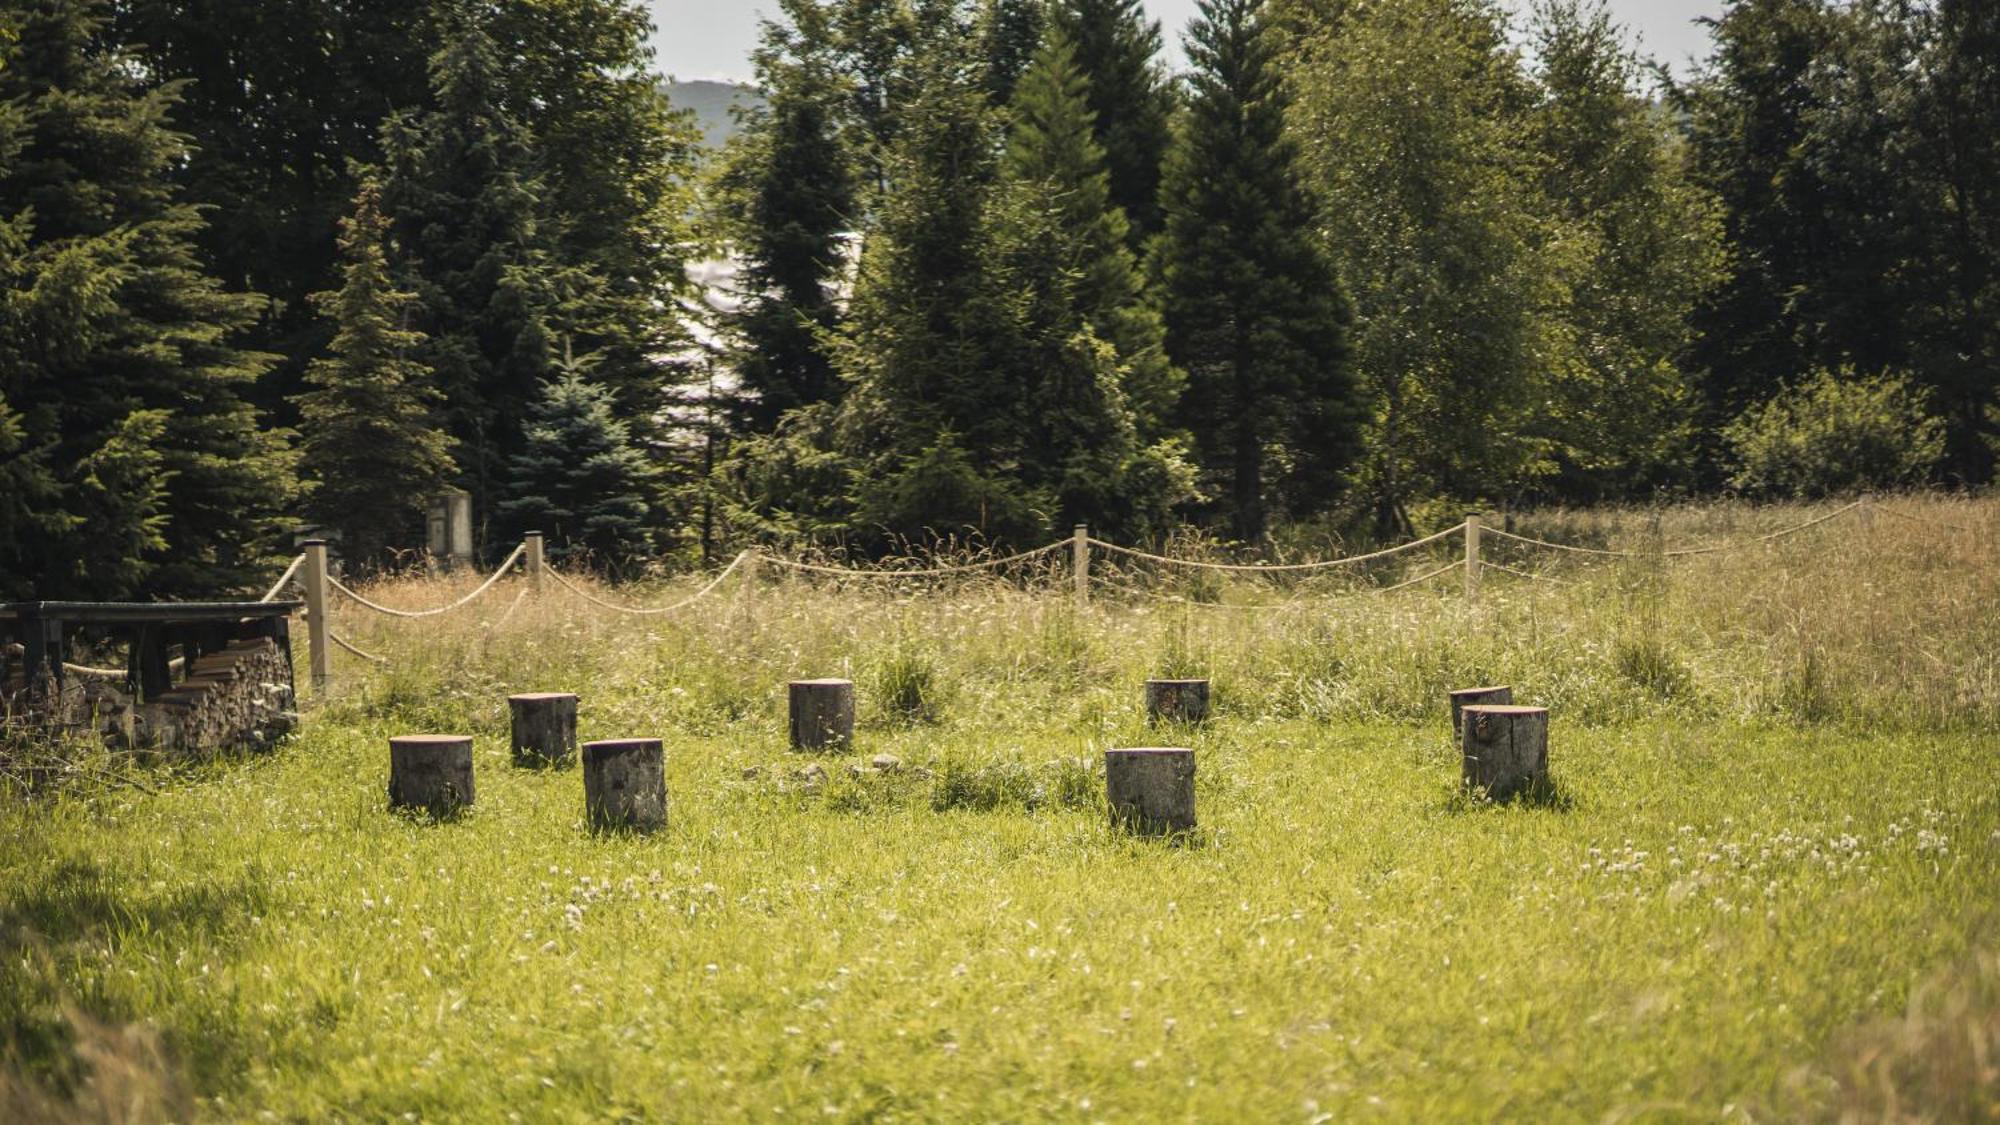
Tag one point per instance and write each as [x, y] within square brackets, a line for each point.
[1546, 794]
[60, 1041]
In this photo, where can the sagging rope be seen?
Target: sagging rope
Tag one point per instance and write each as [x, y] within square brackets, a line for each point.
[1277, 568]
[1293, 603]
[1679, 552]
[1532, 577]
[1779, 534]
[290, 572]
[408, 613]
[343, 642]
[929, 572]
[643, 611]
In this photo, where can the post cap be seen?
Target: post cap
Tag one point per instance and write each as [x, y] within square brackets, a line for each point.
[313, 543]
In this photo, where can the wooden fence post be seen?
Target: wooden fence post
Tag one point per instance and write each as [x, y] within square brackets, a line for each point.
[1472, 524]
[317, 625]
[1079, 553]
[534, 562]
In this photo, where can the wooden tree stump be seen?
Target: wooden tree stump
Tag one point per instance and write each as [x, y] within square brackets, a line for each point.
[1463, 697]
[1176, 701]
[1506, 748]
[822, 714]
[544, 728]
[625, 784]
[431, 771]
[1150, 789]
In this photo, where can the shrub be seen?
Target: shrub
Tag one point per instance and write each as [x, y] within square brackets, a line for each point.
[1835, 432]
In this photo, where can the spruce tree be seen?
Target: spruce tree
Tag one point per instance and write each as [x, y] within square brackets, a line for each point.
[148, 473]
[1009, 33]
[372, 450]
[614, 166]
[936, 395]
[578, 478]
[1097, 374]
[791, 181]
[1118, 50]
[463, 195]
[1254, 312]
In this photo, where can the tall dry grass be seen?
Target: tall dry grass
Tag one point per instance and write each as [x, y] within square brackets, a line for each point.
[1883, 617]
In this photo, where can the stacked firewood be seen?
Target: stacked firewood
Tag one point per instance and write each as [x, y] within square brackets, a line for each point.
[238, 698]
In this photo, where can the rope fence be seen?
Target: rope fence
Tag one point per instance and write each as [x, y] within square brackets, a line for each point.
[637, 610]
[309, 571]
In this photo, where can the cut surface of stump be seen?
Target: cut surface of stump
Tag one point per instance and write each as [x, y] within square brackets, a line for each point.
[544, 728]
[1176, 701]
[1465, 697]
[431, 771]
[822, 714]
[1506, 748]
[1150, 789]
[625, 784]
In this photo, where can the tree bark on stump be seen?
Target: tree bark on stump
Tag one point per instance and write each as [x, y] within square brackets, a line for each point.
[625, 784]
[1176, 701]
[431, 771]
[1150, 789]
[1506, 748]
[544, 728]
[822, 714]
[1465, 697]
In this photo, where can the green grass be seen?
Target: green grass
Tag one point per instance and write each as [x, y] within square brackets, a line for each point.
[1748, 898]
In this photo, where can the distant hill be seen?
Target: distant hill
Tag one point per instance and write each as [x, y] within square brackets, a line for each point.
[711, 102]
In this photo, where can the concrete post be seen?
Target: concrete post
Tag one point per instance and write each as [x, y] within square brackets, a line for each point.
[461, 528]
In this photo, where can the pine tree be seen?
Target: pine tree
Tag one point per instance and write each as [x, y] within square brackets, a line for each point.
[578, 478]
[148, 473]
[1099, 380]
[463, 195]
[614, 166]
[1010, 31]
[373, 452]
[282, 100]
[1254, 312]
[791, 180]
[1118, 50]
[931, 342]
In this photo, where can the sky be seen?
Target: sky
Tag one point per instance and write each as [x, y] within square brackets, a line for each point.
[712, 38]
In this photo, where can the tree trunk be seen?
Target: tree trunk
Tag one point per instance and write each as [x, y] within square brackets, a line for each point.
[431, 771]
[1506, 748]
[1464, 697]
[1150, 789]
[1176, 701]
[822, 714]
[544, 728]
[625, 784]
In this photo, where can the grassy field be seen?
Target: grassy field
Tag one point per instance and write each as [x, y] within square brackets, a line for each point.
[1765, 888]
